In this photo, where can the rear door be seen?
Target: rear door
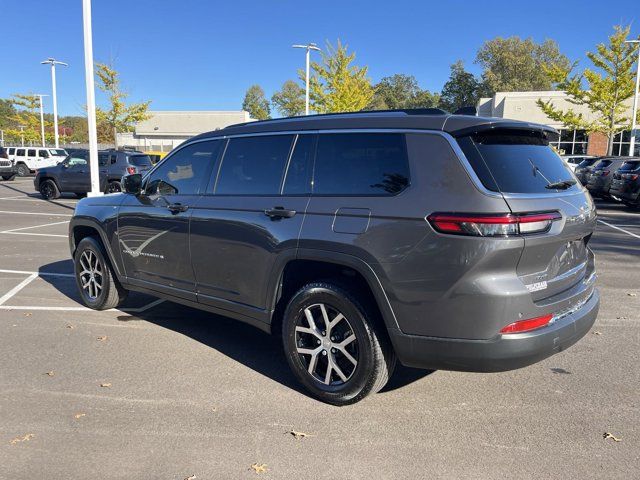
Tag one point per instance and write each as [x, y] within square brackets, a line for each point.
[529, 174]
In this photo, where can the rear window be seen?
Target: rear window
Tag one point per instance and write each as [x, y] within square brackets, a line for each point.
[629, 166]
[140, 160]
[515, 161]
[602, 164]
[587, 162]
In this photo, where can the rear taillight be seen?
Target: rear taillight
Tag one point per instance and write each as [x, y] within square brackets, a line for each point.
[131, 170]
[605, 173]
[492, 225]
[632, 177]
[527, 325]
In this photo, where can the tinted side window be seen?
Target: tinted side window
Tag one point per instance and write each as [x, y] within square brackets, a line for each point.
[184, 171]
[20, 152]
[254, 165]
[298, 177]
[103, 159]
[361, 164]
[31, 152]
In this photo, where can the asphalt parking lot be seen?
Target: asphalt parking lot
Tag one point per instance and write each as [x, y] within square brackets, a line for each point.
[158, 390]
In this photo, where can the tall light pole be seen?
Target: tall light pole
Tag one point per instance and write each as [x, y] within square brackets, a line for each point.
[632, 144]
[91, 99]
[40, 95]
[308, 47]
[22, 127]
[53, 62]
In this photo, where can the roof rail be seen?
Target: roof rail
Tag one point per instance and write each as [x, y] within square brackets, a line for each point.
[466, 111]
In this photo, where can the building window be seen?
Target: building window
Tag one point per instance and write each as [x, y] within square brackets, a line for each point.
[571, 142]
[621, 141]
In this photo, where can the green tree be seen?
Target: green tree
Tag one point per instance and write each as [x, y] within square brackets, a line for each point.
[401, 91]
[515, 65]
[7, 112]
[119, 117]
[461, 90]
[289, 101]
[336, 85]
[606, 90]
[256, 103]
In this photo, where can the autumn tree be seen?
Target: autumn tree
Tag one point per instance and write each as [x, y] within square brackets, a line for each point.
[336, 85]
[256, 103]
[289, 100]
[26, 114]
[604, 90]
[119, 117]
[515, 65]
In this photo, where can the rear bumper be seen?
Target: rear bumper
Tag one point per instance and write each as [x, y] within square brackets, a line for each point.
[625, 193]
[504, 352]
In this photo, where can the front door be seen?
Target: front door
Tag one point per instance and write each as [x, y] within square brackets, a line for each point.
[153, 227]
[253, 216]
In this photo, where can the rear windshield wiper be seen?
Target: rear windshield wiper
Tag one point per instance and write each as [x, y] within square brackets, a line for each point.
[561, 185]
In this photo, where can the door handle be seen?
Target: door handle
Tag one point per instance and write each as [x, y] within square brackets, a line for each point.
[177, 207]
[276, 213]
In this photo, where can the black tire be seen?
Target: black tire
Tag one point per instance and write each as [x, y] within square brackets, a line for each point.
[49, 190]
[113, 187]
[110, 294]
[372, 350]
[8, 178]
[23, 170]
[80, 194]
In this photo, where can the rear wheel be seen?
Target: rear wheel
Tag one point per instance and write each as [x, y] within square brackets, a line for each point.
[113, 187]
[332, 346]
[49, 190]
[23, 170]
[95, 279]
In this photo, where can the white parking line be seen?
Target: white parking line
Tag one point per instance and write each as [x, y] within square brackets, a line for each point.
[38, 200]
[39, 213]
[40, 274]
[36, 234]
[17, 288]
[618, 228]
[34, 226]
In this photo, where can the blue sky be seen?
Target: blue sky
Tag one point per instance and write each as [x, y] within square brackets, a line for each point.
[202, 55]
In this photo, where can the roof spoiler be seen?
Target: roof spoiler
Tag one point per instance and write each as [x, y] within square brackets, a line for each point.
[466, 111]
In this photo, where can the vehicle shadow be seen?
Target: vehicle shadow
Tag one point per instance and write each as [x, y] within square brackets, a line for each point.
[38, 196]
[241, 342]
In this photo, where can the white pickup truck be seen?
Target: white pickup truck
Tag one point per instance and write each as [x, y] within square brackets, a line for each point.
[28, 159]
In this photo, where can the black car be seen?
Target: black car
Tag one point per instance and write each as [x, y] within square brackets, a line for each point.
[73, 174]
[584, 167]
[359, 239]
[8, 170]
[600, 175]
[626, 183]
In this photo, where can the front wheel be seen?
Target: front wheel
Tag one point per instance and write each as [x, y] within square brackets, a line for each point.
[23, 170]
[95, 279]
[49, 190]
[113, 187]
[332, 346]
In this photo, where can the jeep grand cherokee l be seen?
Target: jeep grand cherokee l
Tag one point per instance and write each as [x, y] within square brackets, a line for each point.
[444, 241]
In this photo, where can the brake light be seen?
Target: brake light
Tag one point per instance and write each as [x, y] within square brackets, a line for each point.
[605, 173]
[527, 325]
[492, 225]
[633, 177]
[131, 170]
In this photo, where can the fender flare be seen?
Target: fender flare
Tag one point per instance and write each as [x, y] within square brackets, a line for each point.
[81, 221]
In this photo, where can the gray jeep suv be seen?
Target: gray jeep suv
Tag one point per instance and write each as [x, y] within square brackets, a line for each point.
[444, 241]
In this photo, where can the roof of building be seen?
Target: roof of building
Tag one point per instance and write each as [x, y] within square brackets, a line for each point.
[419, 119]
[188, 123]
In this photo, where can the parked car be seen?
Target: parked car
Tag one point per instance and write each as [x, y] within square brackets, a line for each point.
[600, 176]
[573, 161]
[156, 155]
[626, 183]
[7, 168]
[29, 159]
[73, 174]
[333, 232]
[584, 168]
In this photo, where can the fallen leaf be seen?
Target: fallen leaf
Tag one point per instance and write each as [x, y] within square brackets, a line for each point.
[51, 373]
[622, 318]
[102, 338]
[561, 370]
[298, 435]
[596, 332]
[26, 438]
[631, 294]
[259, 468]
[214, 409]
[190, 477]
[106, 385]
[27, 314]
[79, 415]
[611, 436]
[70, 326]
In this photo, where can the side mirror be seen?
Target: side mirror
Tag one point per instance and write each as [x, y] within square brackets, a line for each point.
[132, 183]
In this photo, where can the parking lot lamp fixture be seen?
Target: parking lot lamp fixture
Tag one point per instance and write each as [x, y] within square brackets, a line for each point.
[40, 95]
[635, 101]
[308, 47]
[91, 99]
[53, 62]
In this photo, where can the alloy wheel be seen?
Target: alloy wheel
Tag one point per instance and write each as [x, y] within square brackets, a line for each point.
[47, 190]
[91, 275]
[326, 344]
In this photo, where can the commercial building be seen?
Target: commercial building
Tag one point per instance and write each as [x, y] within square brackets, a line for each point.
[165, 130]
[522, 106]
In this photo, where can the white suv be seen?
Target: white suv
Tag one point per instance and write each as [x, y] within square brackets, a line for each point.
[29, 159]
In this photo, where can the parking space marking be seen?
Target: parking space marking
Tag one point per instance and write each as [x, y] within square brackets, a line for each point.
[38, 213]
[36, 234]
[33, 275]
[618, 228]
[17, 288]
[18, 231]
[28, 199]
